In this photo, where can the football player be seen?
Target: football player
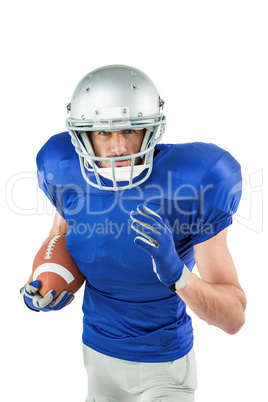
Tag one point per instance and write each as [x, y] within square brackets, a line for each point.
[138, 215]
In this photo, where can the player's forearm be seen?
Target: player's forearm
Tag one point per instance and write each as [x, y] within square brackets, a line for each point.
[222, 305]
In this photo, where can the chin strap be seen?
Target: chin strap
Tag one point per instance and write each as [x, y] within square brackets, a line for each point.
[122, 173]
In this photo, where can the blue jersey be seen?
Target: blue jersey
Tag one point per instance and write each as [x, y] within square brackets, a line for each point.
[128, 312]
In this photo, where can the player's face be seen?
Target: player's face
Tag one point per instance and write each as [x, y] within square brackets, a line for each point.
[117, 143]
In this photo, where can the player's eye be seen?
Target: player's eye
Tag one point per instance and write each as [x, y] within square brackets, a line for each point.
[129, 131]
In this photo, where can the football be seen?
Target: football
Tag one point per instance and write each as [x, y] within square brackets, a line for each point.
[54, 267]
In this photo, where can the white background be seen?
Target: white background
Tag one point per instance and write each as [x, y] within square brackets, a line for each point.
[209, 61]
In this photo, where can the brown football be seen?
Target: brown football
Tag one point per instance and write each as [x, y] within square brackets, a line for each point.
[54, 267]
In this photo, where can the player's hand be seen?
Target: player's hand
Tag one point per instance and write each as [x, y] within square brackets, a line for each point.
[157, 240]
[36, 302]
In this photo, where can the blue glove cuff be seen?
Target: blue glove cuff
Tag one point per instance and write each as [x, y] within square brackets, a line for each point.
[23, 298]
[182, 281]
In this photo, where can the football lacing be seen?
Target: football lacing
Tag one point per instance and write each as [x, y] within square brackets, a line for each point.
[50, 247]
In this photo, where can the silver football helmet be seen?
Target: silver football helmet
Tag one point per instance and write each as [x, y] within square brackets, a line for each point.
[115, 98]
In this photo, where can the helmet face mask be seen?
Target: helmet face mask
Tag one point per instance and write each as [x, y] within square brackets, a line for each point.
[115, 98]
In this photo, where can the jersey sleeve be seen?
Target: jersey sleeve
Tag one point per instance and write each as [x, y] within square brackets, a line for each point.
[217, 201]
[46, 179]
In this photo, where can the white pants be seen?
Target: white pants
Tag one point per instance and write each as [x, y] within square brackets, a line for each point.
[116, 380]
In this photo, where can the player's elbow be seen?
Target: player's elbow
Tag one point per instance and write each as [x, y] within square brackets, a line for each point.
[238, 321]
[235, 327]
